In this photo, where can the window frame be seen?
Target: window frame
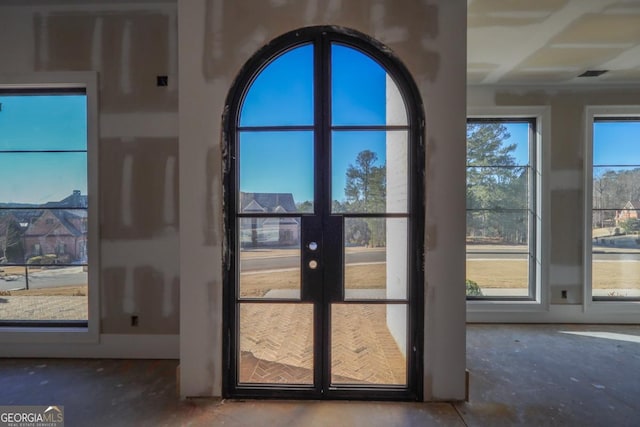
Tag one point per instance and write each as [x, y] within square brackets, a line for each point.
[57, 333]
[600, 305]
[538, 299]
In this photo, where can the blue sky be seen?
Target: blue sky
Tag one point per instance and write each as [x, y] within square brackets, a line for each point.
[520, 136]
[282, 95]
[35, 123]
[616, 143]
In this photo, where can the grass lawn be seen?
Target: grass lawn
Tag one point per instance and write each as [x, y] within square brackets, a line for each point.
[370, 276]
[513, 274]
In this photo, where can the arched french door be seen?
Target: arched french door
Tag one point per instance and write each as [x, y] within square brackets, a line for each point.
[324, 213]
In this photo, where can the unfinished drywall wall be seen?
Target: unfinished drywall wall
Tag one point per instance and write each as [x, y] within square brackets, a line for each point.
[215, 39]
[129, 45]
[564, 173]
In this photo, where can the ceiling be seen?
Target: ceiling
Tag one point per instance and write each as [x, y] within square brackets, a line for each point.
[553, 41]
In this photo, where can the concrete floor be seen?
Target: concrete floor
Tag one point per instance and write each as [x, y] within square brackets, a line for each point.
[534, 375]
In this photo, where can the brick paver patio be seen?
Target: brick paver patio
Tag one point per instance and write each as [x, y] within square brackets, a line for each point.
[276, 345]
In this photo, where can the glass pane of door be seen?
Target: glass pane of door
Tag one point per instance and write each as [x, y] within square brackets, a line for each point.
[276, 172]
[369, 344]
[276, 343]
[270, 257]
[286, 83]
[362, 92]
[375, 253]
[369, 172]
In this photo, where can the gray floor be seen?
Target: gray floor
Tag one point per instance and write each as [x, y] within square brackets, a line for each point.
[535, 375]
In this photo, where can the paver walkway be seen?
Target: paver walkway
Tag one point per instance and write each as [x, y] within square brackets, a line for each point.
[276, 345]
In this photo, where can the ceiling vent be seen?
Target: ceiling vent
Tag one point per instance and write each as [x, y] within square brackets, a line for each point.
[593, 73]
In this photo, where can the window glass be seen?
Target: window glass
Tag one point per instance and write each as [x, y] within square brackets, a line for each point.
[43, 207]
[615, 219]
[42, 178]
[43, 122]
[282, 94]
[362, 93]
[277, 168]
[500, 208]
[369, 171]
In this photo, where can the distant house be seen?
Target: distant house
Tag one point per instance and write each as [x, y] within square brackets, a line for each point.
[631, 210]
[75, 200]
[59, 232]
[54, 228]
[268, 231]
[267, 202]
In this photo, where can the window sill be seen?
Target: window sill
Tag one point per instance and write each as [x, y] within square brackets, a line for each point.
[43, 335]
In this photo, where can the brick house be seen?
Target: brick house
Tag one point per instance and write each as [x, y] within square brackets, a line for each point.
[55, 228]
[630, 210]
[59, 232]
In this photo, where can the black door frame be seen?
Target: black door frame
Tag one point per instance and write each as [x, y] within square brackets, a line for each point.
[315, 228]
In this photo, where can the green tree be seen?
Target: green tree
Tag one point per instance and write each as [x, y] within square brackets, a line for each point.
[495, 184]
[365, 188]
[366, 192]
[306, 206]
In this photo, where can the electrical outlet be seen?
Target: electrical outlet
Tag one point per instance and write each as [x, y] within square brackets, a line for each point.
[563, 294]
[134, 320]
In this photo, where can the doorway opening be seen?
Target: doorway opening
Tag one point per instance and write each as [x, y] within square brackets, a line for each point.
[324, 217]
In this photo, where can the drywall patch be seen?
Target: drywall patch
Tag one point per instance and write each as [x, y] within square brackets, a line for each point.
[110, 277]
[566, 242]
[255, 23]
[565, 275]
[141, 200]
[127, 174]
[147, 285]
[566, 180]
[42, 33]
[64, 41]
[137, 48]
[96, 45]
[169, 206]
[492, 13]
[128, 49]
[125, 59]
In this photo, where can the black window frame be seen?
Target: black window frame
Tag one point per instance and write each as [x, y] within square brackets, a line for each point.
[322, 37]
